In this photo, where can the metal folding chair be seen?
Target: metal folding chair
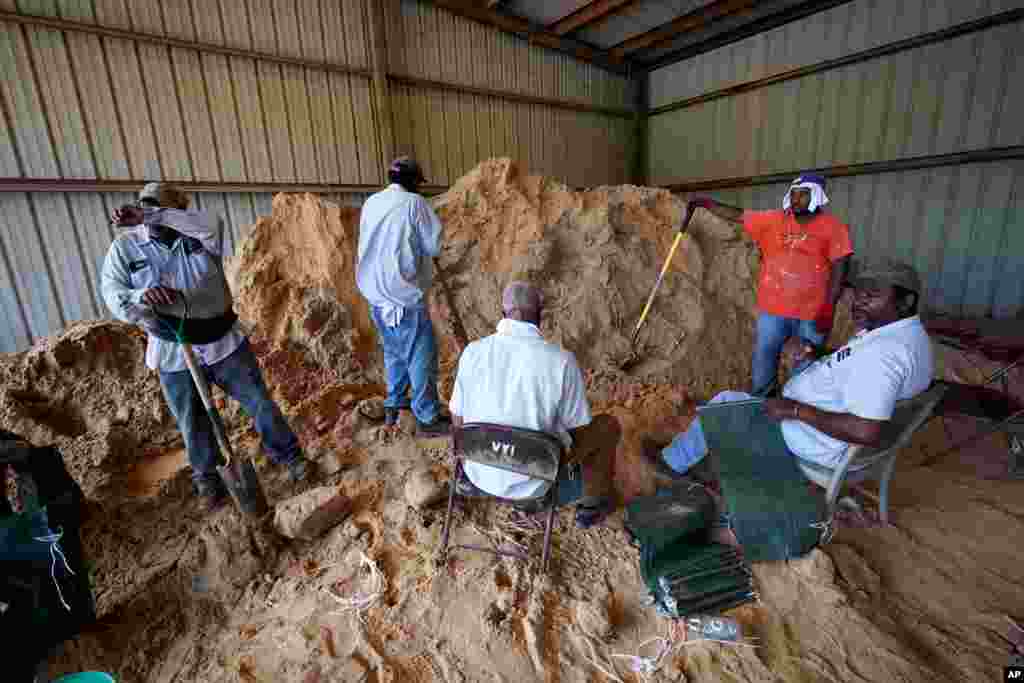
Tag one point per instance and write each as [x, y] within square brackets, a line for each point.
[861, 463]
[523, 451]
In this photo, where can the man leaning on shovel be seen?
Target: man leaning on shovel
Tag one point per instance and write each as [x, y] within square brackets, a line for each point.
[165, 274]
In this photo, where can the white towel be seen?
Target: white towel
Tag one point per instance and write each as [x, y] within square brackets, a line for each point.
[818, 196]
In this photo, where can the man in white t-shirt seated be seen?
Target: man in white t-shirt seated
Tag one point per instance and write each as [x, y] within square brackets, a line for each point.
[844, 397]
[516, 379]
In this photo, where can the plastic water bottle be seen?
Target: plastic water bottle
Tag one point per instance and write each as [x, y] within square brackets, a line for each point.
[704, 627]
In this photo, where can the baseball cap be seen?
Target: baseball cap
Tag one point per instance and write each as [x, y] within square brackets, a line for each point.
[883, 271]
[165, 194]
[407, 166]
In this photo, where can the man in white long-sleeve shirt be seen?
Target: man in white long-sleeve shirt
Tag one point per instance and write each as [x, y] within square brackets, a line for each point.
[399, 234]
[166, 275]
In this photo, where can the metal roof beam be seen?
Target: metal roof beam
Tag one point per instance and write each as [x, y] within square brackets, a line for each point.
[478, 10]
[691, 21]
[588, 15]
[791, 14]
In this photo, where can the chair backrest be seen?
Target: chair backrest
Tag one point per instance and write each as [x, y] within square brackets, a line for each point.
[524, 451]
[907, 417]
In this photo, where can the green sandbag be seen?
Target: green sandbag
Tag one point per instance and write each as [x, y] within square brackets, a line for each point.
[775, 514]
[675, 512]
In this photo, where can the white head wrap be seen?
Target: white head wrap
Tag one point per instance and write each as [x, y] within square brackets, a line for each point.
[809, 183]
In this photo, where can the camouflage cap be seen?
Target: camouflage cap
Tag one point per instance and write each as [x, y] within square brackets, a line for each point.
[165, 194]
[884, 271]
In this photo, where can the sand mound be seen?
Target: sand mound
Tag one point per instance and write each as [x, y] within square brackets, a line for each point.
[88, 391]
[294, 279]
[596, 254]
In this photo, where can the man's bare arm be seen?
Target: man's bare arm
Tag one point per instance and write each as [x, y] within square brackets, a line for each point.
[723, 211]
[835, 285]
[842, 426]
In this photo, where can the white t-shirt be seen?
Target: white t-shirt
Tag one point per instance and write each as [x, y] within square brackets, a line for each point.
[515, 378]
[864, 378]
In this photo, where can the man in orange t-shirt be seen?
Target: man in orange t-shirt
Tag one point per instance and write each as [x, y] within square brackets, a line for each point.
[805, 252]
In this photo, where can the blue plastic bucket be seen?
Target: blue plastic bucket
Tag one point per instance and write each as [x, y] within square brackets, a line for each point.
[86, 677]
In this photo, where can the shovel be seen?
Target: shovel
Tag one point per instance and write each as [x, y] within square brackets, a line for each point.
[238, 474]
[634, 357]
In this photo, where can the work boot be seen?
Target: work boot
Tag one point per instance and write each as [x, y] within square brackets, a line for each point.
[441, 426]
[297, 469]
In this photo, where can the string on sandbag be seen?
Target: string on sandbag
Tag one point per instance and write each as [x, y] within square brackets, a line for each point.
[53, 540]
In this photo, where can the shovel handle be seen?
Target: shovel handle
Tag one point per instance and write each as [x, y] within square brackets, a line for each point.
[661, 276]
[203, 387]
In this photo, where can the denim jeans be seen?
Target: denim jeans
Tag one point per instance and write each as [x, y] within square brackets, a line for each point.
[410, 361]
[772, 333]
[239, 375]
[690, 447]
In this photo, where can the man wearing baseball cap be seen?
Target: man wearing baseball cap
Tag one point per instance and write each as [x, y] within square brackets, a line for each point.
[844, 397]
[166, 275]
[805, 252]
[399, 236]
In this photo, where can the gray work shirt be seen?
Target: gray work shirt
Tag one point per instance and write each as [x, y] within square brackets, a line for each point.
[137, 262]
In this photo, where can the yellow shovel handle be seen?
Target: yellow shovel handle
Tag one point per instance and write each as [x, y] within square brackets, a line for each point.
[654, 291]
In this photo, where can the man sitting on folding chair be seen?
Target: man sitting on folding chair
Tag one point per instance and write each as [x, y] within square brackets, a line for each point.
[516, 379]
[844, 397]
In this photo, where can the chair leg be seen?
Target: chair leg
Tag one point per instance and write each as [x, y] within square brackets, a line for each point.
[546, 553]
[883, 490]
[452, 486]
[832, 492]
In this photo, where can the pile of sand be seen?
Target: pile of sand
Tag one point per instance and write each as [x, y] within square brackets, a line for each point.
[596, 255]
[88, 391]
[294, 281]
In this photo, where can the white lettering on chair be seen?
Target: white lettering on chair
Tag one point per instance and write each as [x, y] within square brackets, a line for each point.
[505, 449]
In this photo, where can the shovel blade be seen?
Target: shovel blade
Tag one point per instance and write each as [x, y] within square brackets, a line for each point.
[244, 486]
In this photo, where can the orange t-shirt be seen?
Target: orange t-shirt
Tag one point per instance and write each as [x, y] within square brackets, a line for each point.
[796, 261]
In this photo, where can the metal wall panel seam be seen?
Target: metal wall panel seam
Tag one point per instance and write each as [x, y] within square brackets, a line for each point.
[997, 51]
[169, 135]
[12, 162]
[958, 92]
[98, 109]
[190, 132]
[89, 217]
[143, 147]
[1008, 297]
[51, 279]
[95, 300]
[60, 89]
[13, 290]
[271, 93]
[958, 229]
[1010, 131]
[990, 226]
[30, 125]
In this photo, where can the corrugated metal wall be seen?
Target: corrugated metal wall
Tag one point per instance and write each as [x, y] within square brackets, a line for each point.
[75, 105]
[450, 132]
[957, 224]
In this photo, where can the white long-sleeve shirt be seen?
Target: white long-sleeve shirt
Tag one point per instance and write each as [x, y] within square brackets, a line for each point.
[399, 234]
[136, 262]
